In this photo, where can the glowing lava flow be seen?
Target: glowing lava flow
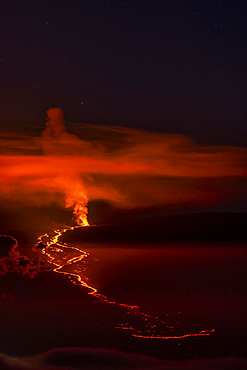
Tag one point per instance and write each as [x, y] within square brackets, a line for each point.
[71, 261]
[52, 248]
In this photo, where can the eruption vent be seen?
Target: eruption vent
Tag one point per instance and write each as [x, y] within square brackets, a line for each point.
[76, 198]
[53, 139]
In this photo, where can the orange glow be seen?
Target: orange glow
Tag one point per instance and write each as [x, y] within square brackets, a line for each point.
[113, 164]
[144, 325]
[76, 198]
[200, 334]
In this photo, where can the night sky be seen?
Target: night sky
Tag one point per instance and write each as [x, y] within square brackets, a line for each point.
[166, 66]
[123, 173]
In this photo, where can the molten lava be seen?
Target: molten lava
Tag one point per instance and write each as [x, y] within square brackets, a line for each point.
[169, 169]
[71, 261]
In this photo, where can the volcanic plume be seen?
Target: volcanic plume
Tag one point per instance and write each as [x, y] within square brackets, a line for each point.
[126, 168]
[113, 163]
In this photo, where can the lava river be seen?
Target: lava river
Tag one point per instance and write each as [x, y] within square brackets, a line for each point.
[72, 262]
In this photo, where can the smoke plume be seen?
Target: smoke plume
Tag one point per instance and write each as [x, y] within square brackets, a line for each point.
[12, 261]
[55, 140]
[124, 167]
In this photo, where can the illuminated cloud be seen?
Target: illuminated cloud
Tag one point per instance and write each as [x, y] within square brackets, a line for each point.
[7, 244]
[12, 261]
[125, 167]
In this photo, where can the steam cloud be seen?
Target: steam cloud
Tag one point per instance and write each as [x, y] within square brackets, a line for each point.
[125, 167]
[12, 261]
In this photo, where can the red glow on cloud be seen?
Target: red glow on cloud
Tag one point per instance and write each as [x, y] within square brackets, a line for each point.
[125, 167]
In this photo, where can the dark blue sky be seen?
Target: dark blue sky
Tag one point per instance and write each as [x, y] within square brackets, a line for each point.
[169, 66]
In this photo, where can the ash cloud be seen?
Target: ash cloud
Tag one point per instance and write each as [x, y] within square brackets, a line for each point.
[125, 167]
[13, 261]
[56, 140]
